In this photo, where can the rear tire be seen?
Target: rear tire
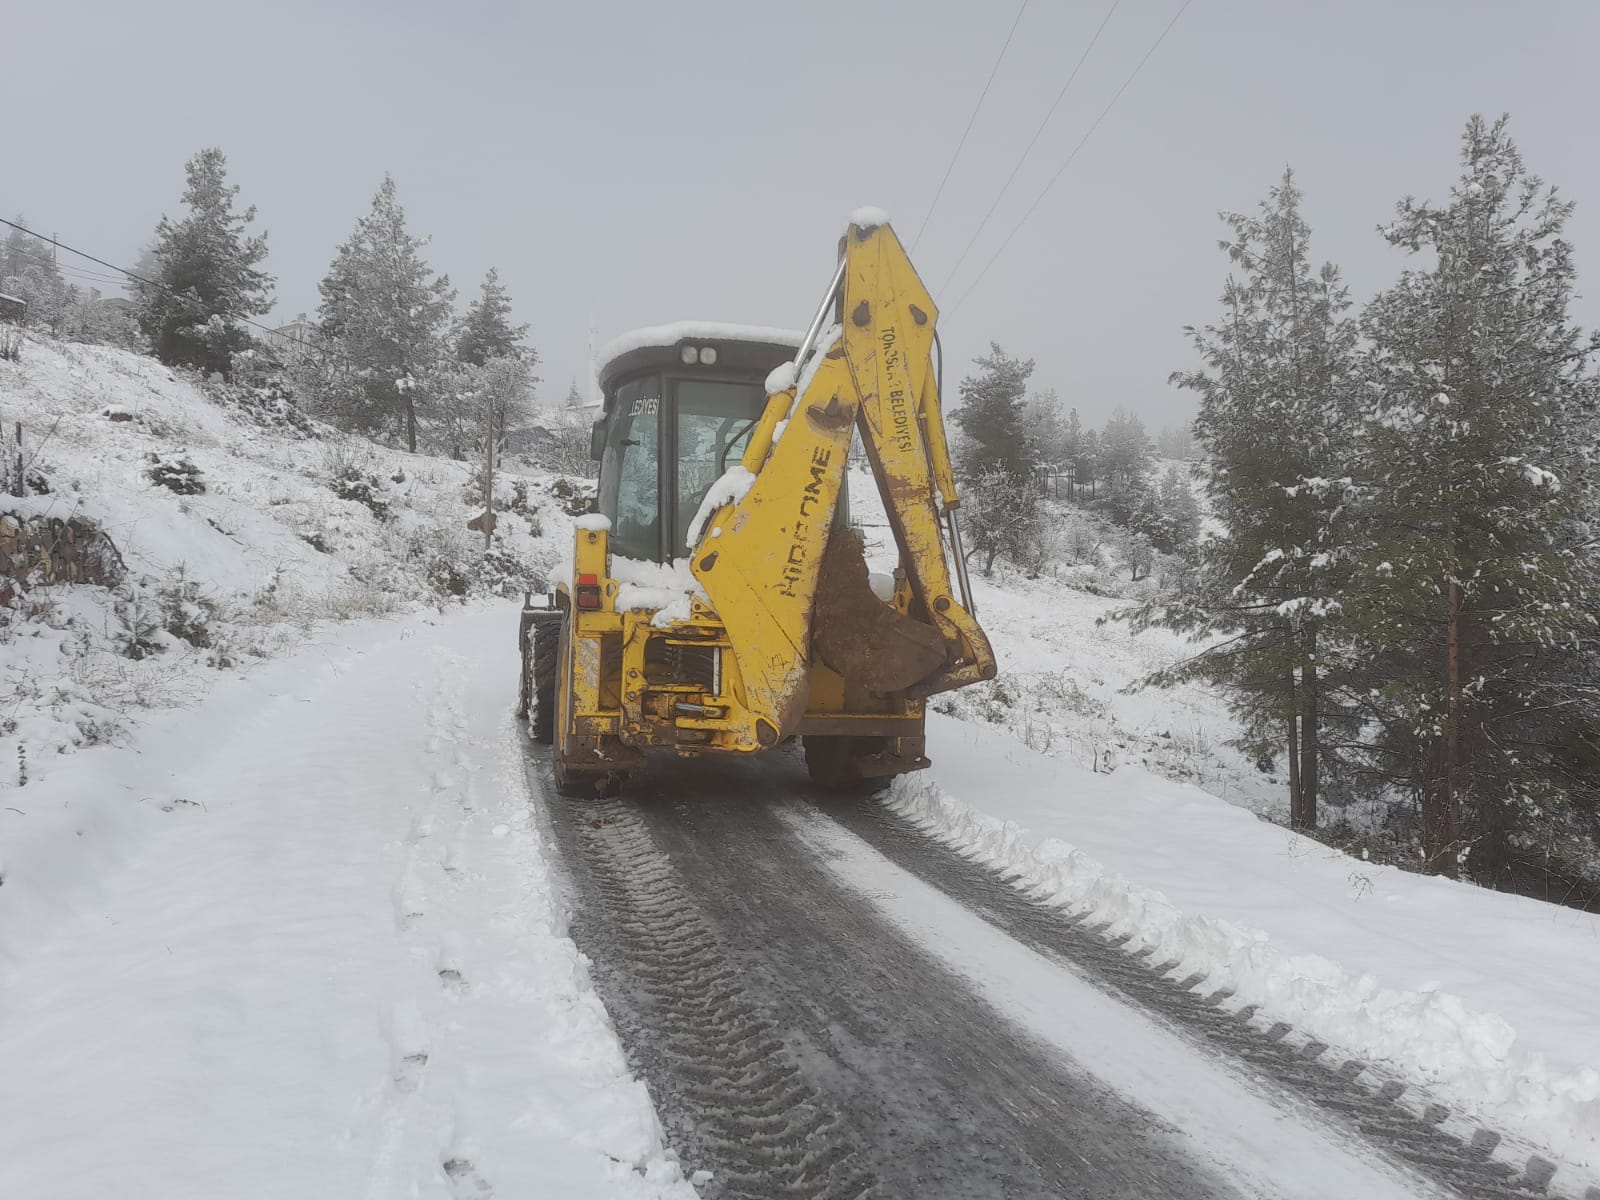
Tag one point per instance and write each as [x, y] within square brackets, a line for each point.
[585, 785]
[574, 783]
[831, 763]
[543, 654]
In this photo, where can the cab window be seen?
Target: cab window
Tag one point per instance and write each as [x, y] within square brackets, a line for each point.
[715, 419]
[630, 491]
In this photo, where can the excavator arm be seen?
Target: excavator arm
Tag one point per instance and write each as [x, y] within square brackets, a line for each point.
[765, 557]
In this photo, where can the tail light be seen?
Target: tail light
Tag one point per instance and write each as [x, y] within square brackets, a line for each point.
[588, 597]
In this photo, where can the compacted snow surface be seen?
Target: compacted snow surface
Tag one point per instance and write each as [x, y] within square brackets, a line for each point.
[303, 941]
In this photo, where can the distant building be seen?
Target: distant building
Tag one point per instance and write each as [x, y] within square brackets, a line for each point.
[13, 309]
[294, 341]
[119, 304]
[520, 442]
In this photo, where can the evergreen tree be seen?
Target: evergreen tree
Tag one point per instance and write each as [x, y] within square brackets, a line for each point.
[29, 272]
[574, 397]
[208, 272]
[1475, 604]
[383, 321]
[1179, 512]
[991, 417]
[23, 249]
[1124, 450]
[1086, 463]
[1276, 421]
[486, 330]
[1046, 429]
[1071, 441]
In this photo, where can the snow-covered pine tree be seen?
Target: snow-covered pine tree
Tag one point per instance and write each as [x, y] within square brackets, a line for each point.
[383, 321]
[574, 398]
[991, 417]
[1072, 447]
[1276, 420]
[209, 274]
[994, 457]
[486, 331]
[29, 272]
[1179, 510]
[1086, 463]
[1046, 429]
[19, 248]
[1475, 605]
[1124, 450]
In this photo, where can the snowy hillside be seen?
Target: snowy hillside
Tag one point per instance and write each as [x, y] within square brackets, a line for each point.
[289, 525]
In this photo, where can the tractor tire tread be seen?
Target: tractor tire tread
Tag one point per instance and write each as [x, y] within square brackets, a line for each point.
[546, 639]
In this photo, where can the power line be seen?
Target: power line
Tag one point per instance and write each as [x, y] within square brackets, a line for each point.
[928, 216]
[91, 276]
[137, 278]
[1154, 46]
[983, 224]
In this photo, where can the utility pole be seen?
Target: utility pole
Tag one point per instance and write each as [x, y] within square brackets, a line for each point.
[488, 481]
[591, 388]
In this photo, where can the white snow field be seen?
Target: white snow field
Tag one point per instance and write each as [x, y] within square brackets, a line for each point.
[303, 941]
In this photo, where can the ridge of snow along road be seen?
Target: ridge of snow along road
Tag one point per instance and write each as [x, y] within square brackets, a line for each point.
[1486, 999]
[315, 915]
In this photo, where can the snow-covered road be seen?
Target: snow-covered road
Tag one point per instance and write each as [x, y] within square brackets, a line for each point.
[304, 943]
[310, 939]
[734, 915]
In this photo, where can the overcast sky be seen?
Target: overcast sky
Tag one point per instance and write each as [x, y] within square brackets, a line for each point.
[633, 163]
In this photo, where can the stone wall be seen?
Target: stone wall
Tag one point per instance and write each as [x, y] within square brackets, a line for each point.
[45, 550]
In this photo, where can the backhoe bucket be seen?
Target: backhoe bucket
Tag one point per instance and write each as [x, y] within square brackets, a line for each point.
[871, 644]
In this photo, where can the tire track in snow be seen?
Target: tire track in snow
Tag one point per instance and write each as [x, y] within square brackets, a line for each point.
[724, 947]
[1463, 1159]
[726, 1082]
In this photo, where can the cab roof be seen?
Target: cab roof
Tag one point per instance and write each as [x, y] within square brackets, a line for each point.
[757, 348]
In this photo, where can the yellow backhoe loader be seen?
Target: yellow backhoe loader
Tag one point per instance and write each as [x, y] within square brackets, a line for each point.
[718, 601]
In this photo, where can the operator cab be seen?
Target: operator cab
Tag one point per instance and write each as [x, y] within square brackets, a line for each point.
[680, 404]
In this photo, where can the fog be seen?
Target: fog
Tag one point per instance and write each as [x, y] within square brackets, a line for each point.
[632, 163]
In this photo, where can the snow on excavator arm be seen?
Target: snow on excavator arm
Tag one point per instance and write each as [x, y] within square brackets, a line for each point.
[760, 553]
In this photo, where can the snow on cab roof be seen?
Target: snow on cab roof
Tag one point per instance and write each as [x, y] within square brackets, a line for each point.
[665, 336]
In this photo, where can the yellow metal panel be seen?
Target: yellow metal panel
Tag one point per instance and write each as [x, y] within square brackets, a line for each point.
[761, 571]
